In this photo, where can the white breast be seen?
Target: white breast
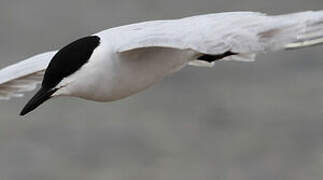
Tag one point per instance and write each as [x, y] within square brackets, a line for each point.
[137, 71]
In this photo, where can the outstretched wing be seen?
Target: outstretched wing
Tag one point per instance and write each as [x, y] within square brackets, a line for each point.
[23, 76]
[244, 33]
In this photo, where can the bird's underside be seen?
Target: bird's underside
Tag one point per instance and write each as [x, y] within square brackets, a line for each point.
[237, 36]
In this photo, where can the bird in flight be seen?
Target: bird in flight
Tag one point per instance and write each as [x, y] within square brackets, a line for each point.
[121, 61]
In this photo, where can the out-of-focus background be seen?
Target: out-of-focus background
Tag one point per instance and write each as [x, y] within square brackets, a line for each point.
[236, 121]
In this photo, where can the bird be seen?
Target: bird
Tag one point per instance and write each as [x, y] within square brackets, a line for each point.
[121, 61]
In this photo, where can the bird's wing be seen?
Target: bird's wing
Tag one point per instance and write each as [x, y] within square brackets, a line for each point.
[23, 76]
[244, 33]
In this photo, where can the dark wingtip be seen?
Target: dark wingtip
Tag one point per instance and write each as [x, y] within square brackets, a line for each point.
[40, 97]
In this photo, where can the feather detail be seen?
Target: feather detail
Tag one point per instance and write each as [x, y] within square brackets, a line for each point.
[246, 33]
[23, 76]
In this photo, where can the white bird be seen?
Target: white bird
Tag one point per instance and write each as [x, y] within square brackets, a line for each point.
[118, 62]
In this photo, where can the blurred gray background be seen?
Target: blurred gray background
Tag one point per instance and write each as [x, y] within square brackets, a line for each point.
[236, 121]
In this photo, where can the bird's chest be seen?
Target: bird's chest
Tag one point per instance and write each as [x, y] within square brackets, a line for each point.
[137, 70]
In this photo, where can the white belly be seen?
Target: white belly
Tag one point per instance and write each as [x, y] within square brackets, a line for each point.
[139, 70]
[131, 72]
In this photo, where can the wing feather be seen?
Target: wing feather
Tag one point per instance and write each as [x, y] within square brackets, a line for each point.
[23, 76]
[246, 33]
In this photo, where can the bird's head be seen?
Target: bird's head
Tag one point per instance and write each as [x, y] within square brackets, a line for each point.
[64, 64]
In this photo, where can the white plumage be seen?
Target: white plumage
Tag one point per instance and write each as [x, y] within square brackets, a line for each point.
[23, 76]
[133, 57]
[243, 32]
